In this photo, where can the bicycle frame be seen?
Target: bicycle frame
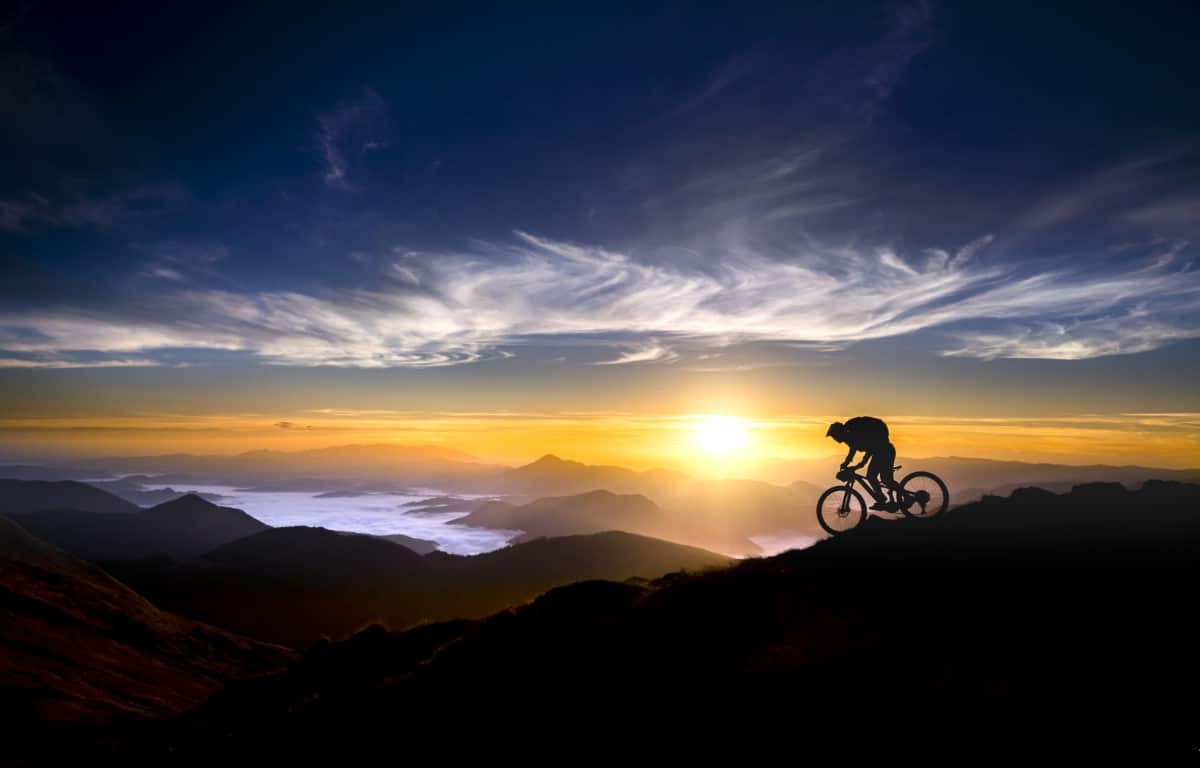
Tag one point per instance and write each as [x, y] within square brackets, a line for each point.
[851, 476]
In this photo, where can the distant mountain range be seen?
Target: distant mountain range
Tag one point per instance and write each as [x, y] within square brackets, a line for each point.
[381, 467]
[98, 525]
[389, 466]
[555, 496]
[78, 647]
[552, 476]
[1030, 625]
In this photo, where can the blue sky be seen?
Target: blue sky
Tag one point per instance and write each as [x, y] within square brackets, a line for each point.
[598, 188]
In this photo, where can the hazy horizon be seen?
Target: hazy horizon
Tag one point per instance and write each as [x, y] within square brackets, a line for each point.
[1152, 440]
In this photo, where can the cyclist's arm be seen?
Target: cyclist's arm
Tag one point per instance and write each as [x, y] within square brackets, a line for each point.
[867, 455]
[849, 458]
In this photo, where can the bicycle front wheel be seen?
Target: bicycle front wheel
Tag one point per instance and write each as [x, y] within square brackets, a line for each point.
[925, 495]
[840, 509]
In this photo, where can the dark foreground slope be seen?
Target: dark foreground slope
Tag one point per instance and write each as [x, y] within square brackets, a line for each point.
[1027, 626]
[78, 648]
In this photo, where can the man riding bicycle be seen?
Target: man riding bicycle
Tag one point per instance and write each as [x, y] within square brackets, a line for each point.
[869, 435]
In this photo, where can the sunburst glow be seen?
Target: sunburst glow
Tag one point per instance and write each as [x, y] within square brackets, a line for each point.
[720, 435]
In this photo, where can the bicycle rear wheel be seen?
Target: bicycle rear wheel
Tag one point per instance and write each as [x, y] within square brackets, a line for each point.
[840, 509]
[931, 496]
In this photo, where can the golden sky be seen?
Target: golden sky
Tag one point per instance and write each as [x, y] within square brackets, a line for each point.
[1107, 410]
[639, 441]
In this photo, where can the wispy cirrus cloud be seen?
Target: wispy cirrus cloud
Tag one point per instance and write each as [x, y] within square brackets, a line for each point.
[1152, 189]
[1124, 333]
[348, 132]
[650, 352]
[177, 260]
[455, 308]
[15, 362]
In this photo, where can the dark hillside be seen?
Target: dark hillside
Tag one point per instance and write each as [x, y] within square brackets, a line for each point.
[80, 650]
[1034, 625]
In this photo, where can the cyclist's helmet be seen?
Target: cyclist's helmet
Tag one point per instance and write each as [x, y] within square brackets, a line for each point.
[836, 430]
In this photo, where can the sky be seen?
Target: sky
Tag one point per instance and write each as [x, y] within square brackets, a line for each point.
[577, 228]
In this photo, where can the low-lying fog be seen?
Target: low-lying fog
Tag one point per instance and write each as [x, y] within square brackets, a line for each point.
[373, 513]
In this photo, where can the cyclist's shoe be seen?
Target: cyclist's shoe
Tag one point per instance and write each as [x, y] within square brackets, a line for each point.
[881, 506]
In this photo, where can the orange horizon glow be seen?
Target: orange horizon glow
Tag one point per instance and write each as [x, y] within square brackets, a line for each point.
[638, 441]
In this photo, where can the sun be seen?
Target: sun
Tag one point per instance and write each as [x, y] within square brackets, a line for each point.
[720, 435]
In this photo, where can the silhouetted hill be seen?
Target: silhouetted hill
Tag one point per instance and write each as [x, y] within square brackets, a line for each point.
[78, 648]
[332, 583]
[514, 574]
[565, 515]
[183, 528]
[317, 554]
[24, 496]
[1027, 626]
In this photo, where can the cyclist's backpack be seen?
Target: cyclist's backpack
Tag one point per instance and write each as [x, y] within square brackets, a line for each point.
[868, 430]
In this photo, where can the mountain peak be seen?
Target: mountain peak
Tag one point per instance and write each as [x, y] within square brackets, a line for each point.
[554, 462]
[189, 502]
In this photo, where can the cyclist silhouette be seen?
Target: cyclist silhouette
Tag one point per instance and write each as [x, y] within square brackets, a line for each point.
[869, 435]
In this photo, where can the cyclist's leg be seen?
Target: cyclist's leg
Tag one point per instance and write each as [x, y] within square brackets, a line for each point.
[881, 474]
[874, 470]
[887, 460]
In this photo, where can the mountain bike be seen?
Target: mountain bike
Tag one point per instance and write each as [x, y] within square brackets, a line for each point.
[920, 495]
